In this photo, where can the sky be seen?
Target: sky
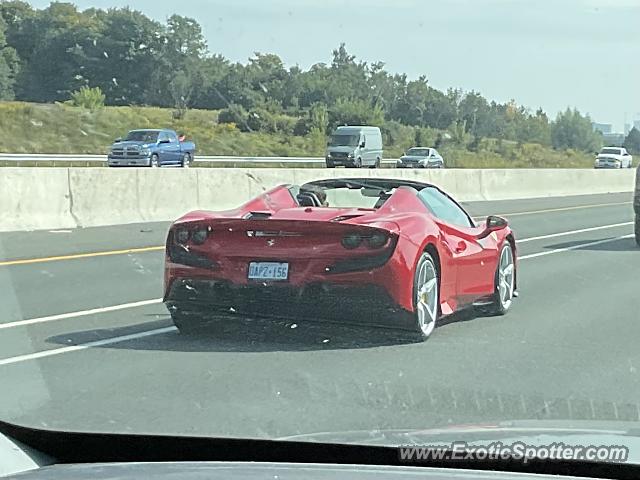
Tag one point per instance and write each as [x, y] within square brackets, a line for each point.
[552, 54]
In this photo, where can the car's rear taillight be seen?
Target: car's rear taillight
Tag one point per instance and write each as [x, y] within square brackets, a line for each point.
[199, 235]
[178, 250]
[377, 240]
[182, 235]
[372, 241]
[351, 241]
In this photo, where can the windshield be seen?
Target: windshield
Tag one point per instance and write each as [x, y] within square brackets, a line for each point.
[238, 266]
[340, 140]
[142, 136]
[611, 151]
[418, 152]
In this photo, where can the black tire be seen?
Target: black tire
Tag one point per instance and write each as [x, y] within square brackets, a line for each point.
[426, 261]
[637, 230]
[358, 163]
[186, 160]
[377, 164]
[154, 161]
[331, 165]
[498, 308]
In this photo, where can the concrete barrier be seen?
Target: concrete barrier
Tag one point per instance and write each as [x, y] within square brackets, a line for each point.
[33, 200]
[45, 198]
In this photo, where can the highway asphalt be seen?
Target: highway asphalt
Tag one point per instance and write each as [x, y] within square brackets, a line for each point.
[85, 343]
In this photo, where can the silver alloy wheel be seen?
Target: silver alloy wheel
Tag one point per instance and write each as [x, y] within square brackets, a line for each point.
[154, 162]
[427, 297]
[506, 277]
[186, 160]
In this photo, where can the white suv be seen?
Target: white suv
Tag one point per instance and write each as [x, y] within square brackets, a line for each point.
[614, 157]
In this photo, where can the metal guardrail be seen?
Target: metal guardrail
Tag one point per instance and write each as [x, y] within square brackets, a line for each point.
[27, 157]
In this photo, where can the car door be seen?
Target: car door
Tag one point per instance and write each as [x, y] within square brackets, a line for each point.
[437, 156]
[173, 148]
[474, 260]
[365, 152]
[164, 154]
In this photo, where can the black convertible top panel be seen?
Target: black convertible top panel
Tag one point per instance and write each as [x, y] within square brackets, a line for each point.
[383, 183]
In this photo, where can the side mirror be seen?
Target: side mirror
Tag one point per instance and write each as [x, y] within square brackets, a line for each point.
[493, 224]
[117, 140]
[166, 140]
[362, 145]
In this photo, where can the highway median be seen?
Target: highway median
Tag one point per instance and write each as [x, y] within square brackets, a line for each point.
[45, 198]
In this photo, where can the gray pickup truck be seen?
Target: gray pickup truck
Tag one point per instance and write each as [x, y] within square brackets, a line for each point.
[636, 205]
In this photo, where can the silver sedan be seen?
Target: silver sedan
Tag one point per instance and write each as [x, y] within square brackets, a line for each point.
[421, 157]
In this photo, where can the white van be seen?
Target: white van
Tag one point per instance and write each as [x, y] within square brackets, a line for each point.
[355, 146]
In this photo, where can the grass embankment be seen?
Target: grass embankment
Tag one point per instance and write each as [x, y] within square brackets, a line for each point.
[59, 128]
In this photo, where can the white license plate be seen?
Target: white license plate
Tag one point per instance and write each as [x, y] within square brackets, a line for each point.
[268, 271]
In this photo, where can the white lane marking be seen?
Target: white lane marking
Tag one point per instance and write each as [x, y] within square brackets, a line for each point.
[159, 331]
[575, 247]
[22, 323]
[560, 209]
[573, 232]
[82, 313]
[84, 346]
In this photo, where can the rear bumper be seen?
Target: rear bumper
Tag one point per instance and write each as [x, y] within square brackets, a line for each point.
[368, 305]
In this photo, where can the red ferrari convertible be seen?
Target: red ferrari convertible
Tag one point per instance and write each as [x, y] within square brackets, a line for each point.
[373, 251]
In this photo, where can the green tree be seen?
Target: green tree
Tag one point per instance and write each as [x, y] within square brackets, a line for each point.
[129, 43]
[355, 112]
[572, 130]
[62, 39]
[632, 141]
[535, 129]
[474, 110]
[8, 66]
[183, 49]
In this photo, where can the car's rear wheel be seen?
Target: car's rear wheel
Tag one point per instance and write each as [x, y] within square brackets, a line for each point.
[638, 230]
[186, 160]
[426, 296]
[376, 164]
[154, 161]
[505, 281]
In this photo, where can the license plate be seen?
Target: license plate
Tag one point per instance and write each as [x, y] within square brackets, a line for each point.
[268, 271]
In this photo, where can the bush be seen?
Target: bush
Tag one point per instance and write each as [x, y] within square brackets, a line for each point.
[90, 98]
[261, 120]
[235, 114]
[302, 127]
[426, 137]
[395, 134]
[285, 124]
